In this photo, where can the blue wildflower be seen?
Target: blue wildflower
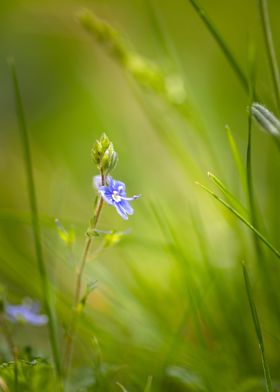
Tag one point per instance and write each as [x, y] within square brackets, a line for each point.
[27, 312]
[115, 195]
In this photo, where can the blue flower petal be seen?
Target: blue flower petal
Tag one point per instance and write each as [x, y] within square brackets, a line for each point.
[127, 207]
[120, 188]
[106, 195]
[27, 313]
[97, 182]
[121, 211]
[111, 183]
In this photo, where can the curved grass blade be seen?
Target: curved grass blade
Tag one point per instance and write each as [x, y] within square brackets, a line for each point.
[35, 218]
[244, 220]
[257, 329]
[121, 387]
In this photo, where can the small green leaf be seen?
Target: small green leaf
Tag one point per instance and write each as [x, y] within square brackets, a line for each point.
[68, 237]
[90, 287]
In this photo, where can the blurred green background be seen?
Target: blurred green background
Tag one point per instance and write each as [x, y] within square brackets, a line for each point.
[170, 300]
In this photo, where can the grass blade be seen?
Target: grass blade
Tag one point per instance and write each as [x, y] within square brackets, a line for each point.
[223, 46]
[257, 329]
[35, 217]
[227, 193]
[244, 220]
[121, 387]
[236, 156]
[263, 7]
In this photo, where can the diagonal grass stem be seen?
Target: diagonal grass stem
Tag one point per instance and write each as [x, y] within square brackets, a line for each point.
[244, 220]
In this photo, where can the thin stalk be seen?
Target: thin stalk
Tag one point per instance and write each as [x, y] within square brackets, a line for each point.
[258, 330]
[250, 189]
[263, 7]
[223, 46]
[244, 220]
[35, 219]
[13, 349]
[77, 297]
[249, 178]
[237, 157]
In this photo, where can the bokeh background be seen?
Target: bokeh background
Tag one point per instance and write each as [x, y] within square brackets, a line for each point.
[170, 300]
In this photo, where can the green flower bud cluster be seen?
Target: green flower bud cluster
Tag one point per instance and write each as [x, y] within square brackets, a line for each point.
[104, 155]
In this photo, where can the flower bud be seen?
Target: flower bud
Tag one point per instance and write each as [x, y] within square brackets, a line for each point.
[266, 119]
[104, 155]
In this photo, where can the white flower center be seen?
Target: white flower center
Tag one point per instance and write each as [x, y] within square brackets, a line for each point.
[116, 196]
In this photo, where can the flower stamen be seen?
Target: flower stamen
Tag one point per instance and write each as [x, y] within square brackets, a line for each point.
[116, 196]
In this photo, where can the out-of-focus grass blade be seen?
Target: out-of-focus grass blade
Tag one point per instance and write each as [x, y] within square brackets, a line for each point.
[121, 387]
[223, 46]
[35, 217]
[227, 193]
[236, 156]
[257, 329]
[263, 8]
[148, 384]
[244, 220]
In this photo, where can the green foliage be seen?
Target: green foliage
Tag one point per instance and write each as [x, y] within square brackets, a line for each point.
[169, 312]
[35, 375]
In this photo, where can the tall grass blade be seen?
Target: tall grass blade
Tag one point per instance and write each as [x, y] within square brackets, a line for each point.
[223, 46]
[35, 217]
[236, 156]
[249, 178]
[257, 329]
[244, 220]
[263, 8]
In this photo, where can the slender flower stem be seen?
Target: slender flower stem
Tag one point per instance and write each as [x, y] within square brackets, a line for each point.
[263, 7]
[35, 219]
[77, 298]
[13, 349]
